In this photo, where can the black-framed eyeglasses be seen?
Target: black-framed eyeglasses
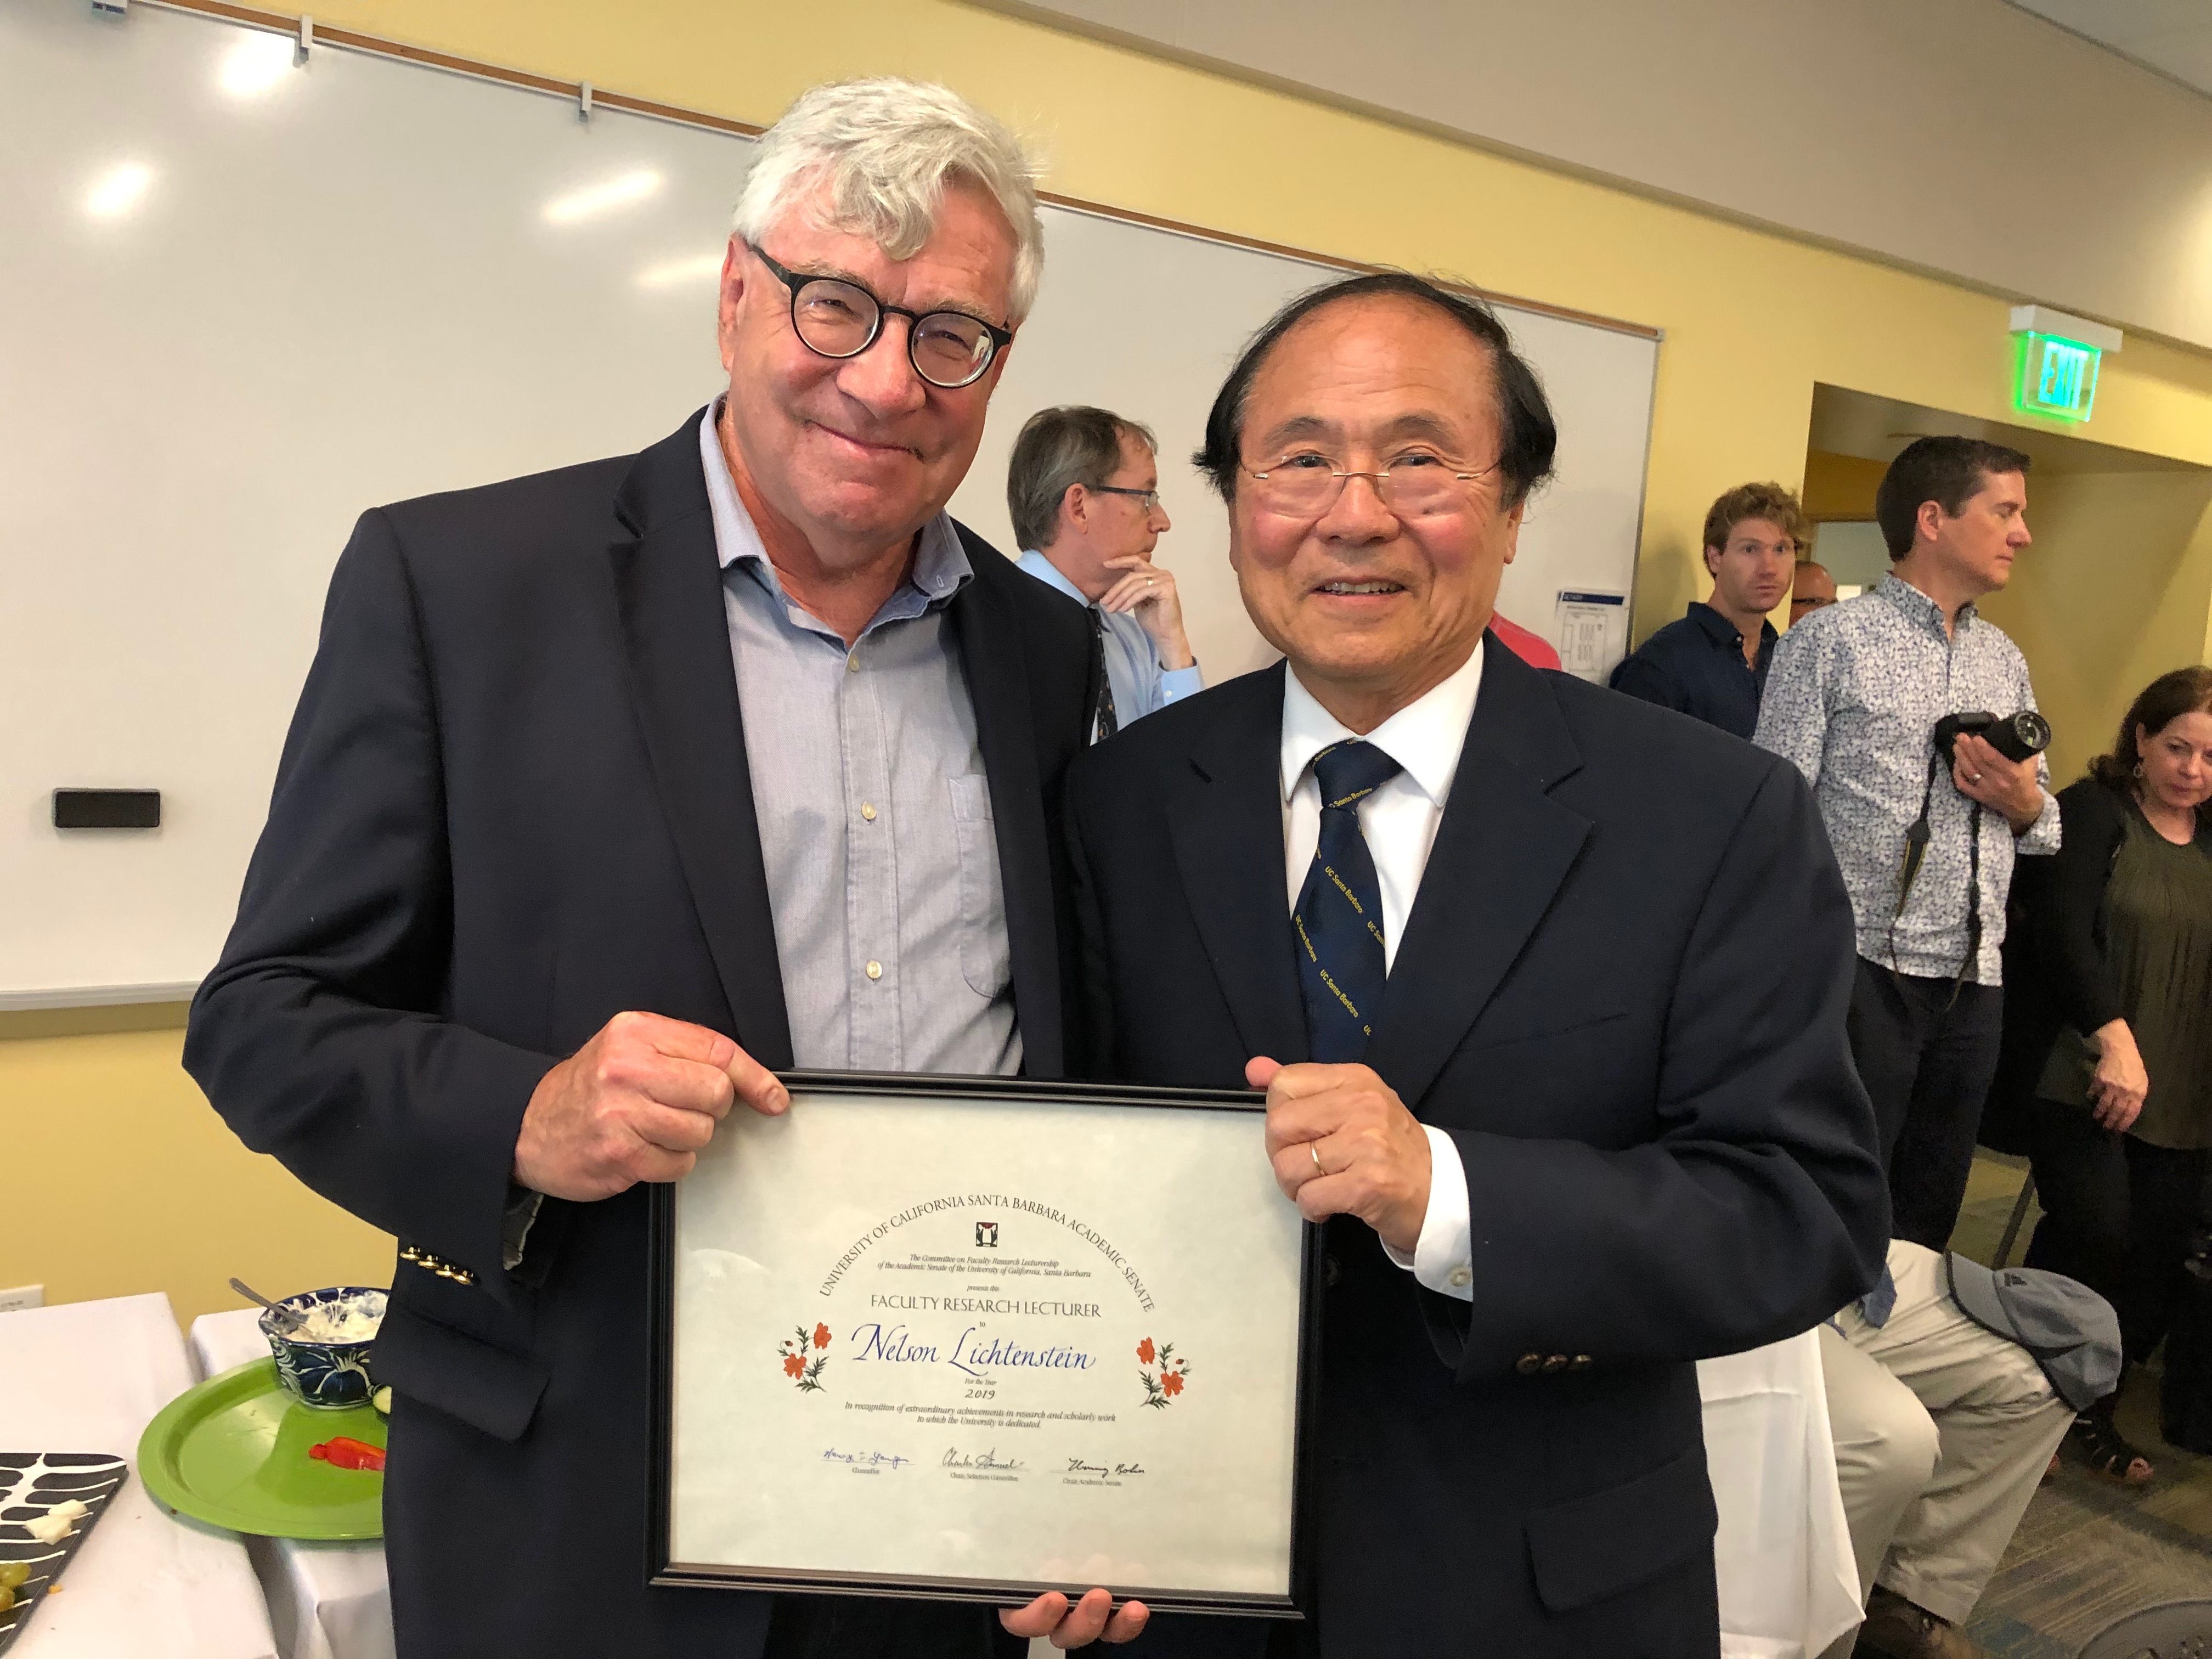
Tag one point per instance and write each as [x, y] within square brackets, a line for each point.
[1151, 498]
[834, 317]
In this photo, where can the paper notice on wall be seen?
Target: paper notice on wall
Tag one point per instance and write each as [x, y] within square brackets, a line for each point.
[1592, 634]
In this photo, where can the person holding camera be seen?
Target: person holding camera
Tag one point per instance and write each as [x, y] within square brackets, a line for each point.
[1914, 721]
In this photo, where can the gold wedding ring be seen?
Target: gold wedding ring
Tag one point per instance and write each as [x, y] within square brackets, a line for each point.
[1313, 1146]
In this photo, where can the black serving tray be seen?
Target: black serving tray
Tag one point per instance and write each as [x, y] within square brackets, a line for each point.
[31, 1483]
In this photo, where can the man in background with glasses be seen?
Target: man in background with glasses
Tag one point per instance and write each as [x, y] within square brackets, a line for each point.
[1546, 989]
[612, 792]
[1082, 491]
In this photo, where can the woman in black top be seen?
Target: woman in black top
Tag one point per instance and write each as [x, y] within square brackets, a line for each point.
[2120, 1125]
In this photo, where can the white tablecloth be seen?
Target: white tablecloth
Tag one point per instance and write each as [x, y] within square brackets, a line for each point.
[1788, 1583]
[88, 1377]
[1789, 1586]
[326, 1600]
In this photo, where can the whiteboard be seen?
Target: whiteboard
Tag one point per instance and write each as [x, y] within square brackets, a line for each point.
[241, 300]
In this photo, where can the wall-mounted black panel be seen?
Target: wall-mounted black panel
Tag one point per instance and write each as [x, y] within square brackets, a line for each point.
[107, 809]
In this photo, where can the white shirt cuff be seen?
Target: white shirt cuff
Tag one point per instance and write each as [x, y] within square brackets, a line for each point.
[1441, 1256]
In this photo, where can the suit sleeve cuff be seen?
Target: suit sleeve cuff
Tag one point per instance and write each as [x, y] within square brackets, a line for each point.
[1441, 1257]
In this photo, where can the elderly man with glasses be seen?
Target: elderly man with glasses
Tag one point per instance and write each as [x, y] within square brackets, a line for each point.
[1546, 989]
[1083, 489]
[613, 791]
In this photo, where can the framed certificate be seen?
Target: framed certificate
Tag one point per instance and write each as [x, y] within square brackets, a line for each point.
[975, 1339]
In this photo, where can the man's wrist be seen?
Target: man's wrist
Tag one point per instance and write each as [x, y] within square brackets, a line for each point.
[1172, 648]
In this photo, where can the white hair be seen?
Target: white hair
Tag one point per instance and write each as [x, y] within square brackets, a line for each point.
[887, 147]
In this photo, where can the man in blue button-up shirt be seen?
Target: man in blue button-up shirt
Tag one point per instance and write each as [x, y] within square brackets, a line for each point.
[1711, 664]
[1082, 491]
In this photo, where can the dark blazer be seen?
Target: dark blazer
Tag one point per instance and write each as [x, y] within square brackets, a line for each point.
[513, 802]
[1622, 990]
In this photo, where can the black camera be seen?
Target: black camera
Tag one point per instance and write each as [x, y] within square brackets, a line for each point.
[2016, 737]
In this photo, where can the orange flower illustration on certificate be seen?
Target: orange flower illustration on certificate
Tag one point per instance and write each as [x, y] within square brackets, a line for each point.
[803, 1357]
[1169, 1382]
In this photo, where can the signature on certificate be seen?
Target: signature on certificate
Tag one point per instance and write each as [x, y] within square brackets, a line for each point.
[1077, 1466]
[865, 1459]
[954, 1458]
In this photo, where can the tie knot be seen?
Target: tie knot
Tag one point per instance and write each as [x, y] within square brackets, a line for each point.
[1346, 771]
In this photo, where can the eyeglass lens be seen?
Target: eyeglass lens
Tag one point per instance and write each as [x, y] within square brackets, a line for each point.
[839, 320]
[1412, 486]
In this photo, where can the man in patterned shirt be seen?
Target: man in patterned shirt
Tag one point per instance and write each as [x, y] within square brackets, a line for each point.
[1852, 698]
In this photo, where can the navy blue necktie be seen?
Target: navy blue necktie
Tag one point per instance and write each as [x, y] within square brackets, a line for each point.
[1338, 919]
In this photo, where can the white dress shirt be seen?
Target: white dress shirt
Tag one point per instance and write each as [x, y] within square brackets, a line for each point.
[1399, 821]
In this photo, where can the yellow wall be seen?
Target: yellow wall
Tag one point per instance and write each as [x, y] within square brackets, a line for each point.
[2113, 593]
[1751, 321]
[1839, 486]
[160, 1196]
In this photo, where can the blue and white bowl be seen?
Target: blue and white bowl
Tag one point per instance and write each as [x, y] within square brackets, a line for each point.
[330, 1375]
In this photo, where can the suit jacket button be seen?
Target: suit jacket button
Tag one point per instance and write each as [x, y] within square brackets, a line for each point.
[1557, 1362]
[1580, 1363]
[1530, 1363]
[1330, 1272]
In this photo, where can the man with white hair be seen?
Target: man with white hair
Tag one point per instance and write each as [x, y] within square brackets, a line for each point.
[612, 792]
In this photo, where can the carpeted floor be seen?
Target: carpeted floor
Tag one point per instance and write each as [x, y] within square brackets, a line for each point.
[2089, 1552]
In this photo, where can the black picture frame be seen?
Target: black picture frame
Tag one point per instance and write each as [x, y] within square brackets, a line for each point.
[660, 1313]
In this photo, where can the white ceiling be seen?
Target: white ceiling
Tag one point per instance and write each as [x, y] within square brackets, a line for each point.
[1658, 97]
[2174, 37]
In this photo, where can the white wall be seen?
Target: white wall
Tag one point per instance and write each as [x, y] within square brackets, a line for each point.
[1963, 137]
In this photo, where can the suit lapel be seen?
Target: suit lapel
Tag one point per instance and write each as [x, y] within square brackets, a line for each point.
[987, 632]
[668, 593]
[1502, 849]
[1225, 823]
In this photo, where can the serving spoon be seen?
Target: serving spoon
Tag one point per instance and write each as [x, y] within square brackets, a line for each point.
[288, 1321]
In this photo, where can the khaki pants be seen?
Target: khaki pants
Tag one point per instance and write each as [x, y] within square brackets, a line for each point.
[1942, 1432]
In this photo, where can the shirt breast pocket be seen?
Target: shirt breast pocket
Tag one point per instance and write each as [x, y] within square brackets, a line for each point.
[985, 961]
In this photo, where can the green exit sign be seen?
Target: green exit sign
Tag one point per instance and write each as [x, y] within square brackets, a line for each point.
[2057, 376]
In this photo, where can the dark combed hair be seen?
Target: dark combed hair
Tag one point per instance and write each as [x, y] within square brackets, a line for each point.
[2164, 701]
[1072, 444]
[1529, 435]
[1948, 471]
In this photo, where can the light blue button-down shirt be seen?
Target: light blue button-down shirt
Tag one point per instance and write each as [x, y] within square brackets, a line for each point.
[1139, 684]
[875, 815]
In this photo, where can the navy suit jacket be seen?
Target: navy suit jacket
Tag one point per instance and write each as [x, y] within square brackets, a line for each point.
[514, 803]
[1621, 990]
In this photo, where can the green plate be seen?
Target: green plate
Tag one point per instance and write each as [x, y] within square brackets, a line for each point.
[233, 1452]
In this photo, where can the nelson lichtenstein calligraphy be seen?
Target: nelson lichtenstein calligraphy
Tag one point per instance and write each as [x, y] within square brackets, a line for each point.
[976, 1339]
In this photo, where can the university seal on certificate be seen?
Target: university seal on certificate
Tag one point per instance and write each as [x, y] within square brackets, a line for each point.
[976, 1339]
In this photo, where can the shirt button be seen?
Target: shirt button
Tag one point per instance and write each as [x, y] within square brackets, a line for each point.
[875, 971]
[852, 663]
[1460, 1279]
[868, 810]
